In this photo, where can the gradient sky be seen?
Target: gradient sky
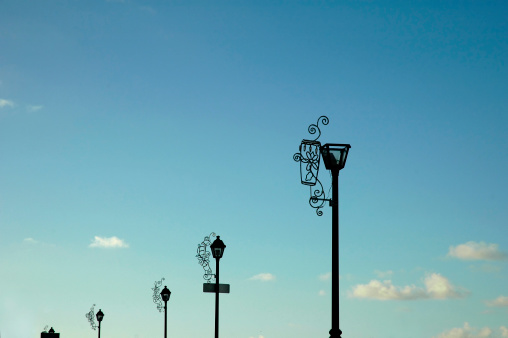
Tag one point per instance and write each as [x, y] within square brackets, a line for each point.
[129, 130]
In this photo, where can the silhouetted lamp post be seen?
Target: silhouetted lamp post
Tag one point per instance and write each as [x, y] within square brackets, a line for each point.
[100, 316]
[50, 334]
[334, 157]
[217, 248]
[165, 294]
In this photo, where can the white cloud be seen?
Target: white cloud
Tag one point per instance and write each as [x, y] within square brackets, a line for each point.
[436, 287]
[322, 293]
[471, 332]
[499, 301]
[6, 103]
[30, 240]
[32, 108]
[477, 251]
[264, 277]
[439, 287]
[325, 276]
[108, 242]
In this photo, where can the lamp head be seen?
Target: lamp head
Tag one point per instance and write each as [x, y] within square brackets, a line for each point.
[165, 294]
[218, 247]
[99, 315]
[335, 155]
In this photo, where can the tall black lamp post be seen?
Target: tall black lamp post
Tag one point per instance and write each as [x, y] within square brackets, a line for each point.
[100, 316]
[203, 256]
[217, 248]
[165, 294]
[334, 157]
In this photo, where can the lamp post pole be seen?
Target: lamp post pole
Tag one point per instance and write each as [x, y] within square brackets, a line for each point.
[165, 319]
[335, 331]
[217, 297]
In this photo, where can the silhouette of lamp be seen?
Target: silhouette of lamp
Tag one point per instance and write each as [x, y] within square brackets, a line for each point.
[217, 248]
[100, 316]
[165, 294]
[335, 156]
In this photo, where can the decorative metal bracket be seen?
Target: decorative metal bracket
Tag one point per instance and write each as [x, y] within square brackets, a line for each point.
[157, 299]
[309, 157]
[91, 318]
[203, 257]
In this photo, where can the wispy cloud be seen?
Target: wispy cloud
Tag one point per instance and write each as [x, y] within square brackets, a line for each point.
[6, 103]
[264, 277]
[436, 287]
[322, 293]
[325, 276]
[500, 301]
[471, 332]
[32, 108]
[477, 251]
[383, 274]
[108, 242]
[30, 240]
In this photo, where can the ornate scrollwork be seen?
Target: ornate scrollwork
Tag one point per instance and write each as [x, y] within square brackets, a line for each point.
[203, 256]
[157, 299]
[313, 128]
[91, 317]
[309, 157]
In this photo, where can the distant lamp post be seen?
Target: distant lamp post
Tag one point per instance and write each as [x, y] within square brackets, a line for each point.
[217, 248]
[334, 157]
[158, 297]
[50, 334]
[100, 316]
[91, 319]
[165, 294]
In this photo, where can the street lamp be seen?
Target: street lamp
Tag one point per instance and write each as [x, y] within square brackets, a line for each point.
[158, 297]
[217, 248]
[203, 256]
[334, 157]
[165, 294]
[91, 320]
[99, 316]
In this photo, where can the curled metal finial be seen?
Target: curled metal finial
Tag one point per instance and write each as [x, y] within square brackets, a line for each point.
[91, 317]
[157, 299]
[203, 257]
[317, 198]
[313, 128]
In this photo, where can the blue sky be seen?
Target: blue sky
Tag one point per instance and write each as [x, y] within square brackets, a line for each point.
[129, 130]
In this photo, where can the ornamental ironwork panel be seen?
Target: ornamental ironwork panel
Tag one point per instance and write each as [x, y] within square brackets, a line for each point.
[91, 318]
[157, 298]
[203, 256]
[309, 156]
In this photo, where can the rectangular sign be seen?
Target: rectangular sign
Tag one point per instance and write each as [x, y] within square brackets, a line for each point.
[210, 287]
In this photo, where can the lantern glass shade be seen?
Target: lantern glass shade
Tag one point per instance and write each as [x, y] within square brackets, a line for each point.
[99, 315]
[165, 294]
[218, 247]
[335, 155]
